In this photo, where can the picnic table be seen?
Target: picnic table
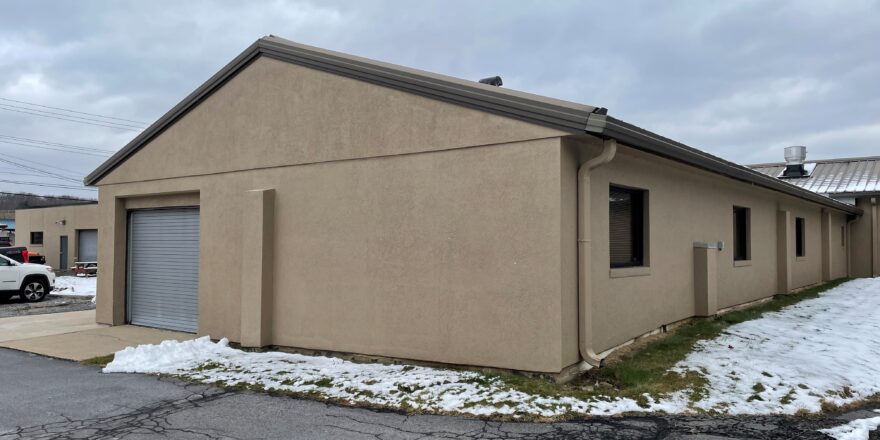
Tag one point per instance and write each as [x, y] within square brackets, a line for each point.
[85, 268]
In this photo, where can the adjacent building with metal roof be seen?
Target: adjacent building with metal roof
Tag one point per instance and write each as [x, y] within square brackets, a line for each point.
[854, 181]
[836, 178]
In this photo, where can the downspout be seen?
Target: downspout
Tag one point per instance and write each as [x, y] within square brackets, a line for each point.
[585, 294]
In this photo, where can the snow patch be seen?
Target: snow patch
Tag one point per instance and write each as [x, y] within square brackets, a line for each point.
[855, 430]
[75, 286]
[397, 386]
[819, 350]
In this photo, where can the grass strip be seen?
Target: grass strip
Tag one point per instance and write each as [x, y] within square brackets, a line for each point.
[645, 370]
[100, 361]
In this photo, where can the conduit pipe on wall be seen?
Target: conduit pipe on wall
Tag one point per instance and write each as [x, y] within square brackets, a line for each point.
[585, 294]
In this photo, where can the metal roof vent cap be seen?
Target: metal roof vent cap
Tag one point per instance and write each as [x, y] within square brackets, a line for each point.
[493, 81]
[795, 155]
[794, 162]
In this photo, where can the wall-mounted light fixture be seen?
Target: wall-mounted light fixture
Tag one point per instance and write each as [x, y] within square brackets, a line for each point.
[61, 222]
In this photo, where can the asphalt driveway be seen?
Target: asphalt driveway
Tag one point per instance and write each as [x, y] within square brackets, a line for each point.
[48, 398]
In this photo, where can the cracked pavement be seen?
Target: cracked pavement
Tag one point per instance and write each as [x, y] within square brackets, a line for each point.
[44, 398]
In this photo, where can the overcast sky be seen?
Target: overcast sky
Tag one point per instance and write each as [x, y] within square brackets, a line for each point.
[738, 79]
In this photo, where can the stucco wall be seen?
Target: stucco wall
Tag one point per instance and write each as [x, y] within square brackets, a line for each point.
[450, 256]
[839, 246]
[274, 113]
[806, 270]
[46, 220]
[686, 205]
[864, 240]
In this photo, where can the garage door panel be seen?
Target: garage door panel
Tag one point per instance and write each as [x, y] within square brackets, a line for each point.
[158, 310]
[184, 280]
[87, 242]
[176, 294]
[163, 271]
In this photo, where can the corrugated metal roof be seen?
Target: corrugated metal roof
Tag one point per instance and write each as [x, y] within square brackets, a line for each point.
[838, 177]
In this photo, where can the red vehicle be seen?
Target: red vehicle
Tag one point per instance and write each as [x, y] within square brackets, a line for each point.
[19, 253]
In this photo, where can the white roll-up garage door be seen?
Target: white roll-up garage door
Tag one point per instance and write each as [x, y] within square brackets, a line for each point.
[163, 268]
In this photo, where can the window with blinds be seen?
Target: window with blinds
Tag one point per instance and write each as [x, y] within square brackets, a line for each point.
[626, 227]
[800, 237]
[741, 237]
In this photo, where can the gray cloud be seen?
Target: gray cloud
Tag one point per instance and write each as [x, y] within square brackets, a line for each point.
[738, 79]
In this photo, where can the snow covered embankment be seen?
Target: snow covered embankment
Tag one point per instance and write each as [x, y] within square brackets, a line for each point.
[819, 350]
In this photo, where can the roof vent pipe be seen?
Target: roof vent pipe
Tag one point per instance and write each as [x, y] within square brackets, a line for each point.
[493, 81]
[794, 161]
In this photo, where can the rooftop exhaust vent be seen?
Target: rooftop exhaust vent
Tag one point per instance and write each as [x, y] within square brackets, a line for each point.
[794, 163]
[493, 81]
[795, 155]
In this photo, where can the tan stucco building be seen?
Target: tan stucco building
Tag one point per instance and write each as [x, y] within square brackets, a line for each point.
[62, 234]
[317, 200]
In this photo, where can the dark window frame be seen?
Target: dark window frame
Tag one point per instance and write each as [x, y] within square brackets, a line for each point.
[742, 233]
[800, 237]
[843, 236]
[34, 236]
[638, 226]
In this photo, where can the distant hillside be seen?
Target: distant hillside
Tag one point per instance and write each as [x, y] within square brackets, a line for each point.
[20, 201]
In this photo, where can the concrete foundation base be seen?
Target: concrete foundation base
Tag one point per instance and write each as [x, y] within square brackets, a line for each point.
[75, 336]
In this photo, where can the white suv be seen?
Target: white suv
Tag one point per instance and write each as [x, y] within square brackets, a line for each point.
[32, 282]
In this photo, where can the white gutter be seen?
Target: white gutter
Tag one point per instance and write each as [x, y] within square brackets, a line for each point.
[585, 294]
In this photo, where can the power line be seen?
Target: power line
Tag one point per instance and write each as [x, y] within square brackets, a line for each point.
[57, 144]
[73, 111]
[74, 174]
[70, 120]
[18, 173]
[63, 150]
[48, 185]
[103, 121]
[46, 197]
[49, 173]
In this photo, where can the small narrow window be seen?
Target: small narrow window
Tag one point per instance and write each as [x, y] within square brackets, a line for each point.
[843, 235]
[741, 234]
[800, 238]
[37, 237]
[627, 227]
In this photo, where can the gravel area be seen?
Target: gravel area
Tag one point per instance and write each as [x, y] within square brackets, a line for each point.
[52, 304]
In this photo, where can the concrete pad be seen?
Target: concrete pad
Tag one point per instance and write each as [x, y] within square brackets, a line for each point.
[32, 326]
[86, 344]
